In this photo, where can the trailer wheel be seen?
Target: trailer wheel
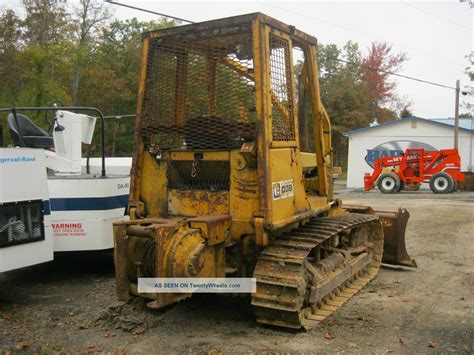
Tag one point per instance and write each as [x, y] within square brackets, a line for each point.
[389, 183]
[442, 183]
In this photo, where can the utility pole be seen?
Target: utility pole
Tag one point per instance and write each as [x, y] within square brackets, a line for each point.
[456, 116]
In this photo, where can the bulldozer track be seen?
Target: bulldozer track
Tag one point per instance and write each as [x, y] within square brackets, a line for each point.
[292, 293]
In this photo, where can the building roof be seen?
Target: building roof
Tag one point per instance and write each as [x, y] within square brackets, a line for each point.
[465, 124]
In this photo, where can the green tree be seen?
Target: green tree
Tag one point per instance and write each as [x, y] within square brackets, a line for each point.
[119, 55]
[343, 93]
[88, 17]
[45, 22]
[10, 46]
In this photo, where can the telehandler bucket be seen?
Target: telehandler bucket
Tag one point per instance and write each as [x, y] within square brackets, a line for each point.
[394, 226]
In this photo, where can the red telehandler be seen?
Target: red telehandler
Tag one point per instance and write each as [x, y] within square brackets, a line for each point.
[441, 169]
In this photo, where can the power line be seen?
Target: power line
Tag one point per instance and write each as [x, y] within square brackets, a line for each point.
[435, 15]
[149, 11]
[330, 58]
[352, 31]
[392, 73]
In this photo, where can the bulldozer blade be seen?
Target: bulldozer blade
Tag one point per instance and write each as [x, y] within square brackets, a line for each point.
[394, 227]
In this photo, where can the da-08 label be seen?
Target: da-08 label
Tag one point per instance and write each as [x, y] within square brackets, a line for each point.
[282, 189]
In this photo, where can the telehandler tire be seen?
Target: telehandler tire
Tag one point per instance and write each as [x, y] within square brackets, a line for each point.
[389, 183]
[442, 183]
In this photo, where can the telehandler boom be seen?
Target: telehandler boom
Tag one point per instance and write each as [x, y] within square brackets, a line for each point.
[225, 184]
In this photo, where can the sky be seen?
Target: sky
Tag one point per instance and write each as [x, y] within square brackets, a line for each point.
[436, 36]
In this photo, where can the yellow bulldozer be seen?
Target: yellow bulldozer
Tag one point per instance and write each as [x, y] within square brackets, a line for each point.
[231, 175]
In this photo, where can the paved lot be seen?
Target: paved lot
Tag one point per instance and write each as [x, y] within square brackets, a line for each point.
[69, 305]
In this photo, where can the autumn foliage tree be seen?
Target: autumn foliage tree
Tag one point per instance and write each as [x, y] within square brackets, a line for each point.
[75, 53]
[356, 89]
[376, 67]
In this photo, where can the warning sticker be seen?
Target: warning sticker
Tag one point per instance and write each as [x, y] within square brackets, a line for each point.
[282, 189]
[68, 230]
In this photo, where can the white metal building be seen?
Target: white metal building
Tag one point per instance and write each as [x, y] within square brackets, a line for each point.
[392, 138]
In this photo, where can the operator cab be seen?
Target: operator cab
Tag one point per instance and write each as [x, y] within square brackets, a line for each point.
[414, 157]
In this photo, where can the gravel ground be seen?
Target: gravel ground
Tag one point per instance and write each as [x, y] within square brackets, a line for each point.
[69, 305]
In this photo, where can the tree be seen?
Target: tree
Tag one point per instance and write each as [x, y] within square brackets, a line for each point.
[375, 67]
[45, 37]
[406, 112]
[45, 22]
[343, 93]
[384, 115]
[10, 45]
[469, 71]
[87, 17]
[120, 53]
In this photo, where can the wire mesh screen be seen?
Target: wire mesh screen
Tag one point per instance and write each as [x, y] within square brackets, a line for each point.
[212, 175]
[21, 222]
[200, 90]
[281, 89]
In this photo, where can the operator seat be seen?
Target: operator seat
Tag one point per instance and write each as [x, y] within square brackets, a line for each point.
[33, 136]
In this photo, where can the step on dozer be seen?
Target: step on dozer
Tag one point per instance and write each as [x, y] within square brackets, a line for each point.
[223, 183]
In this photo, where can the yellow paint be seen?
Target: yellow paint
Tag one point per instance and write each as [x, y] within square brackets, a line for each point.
[193, 203]
[320, 137]
[281, 170]
[191, 248]
[207, 155]
[308, 160]
[243, 192]
[301, 200]
[154, 190]
[138, 151]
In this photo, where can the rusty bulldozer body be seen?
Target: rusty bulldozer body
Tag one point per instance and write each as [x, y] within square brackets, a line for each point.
[223, 183]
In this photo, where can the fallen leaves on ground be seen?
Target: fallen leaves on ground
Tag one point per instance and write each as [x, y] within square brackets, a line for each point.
[22, 346]
[90, 348]
[351, 344]
[17, 325]
[138, 331]
[329, 335]
[432, 344]
[6, 316]
[120, 352]
[110, 334]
